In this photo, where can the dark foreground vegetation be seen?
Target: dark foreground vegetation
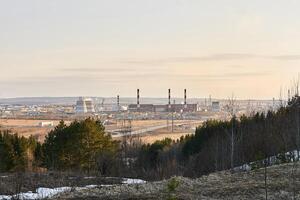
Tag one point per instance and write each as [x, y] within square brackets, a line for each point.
[84, 147]
[215, 186]
[222, 145]
[15, 183]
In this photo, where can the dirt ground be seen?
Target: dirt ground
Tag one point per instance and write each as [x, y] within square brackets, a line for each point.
[27, 127]
[161, 134]
[24, 122]
[140, 124]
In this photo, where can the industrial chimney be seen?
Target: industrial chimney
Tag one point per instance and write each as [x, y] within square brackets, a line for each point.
[118, 102]
[185, 105]
[169, 97]
[138, 98]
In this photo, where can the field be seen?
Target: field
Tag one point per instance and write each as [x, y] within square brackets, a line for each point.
[150, 130]
[27, 127]
[150, 138]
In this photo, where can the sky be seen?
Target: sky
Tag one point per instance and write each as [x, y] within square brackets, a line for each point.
[103, 48]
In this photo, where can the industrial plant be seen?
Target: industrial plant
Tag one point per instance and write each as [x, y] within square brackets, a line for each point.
[85, 105]
[170, 107]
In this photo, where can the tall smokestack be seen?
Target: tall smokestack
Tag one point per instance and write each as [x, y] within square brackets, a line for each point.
[185, 104]
[184, 96]
[169, 97]
[118, 102]
[138, 98]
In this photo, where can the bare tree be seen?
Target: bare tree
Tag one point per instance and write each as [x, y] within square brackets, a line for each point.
[232, 111]
[265, 175]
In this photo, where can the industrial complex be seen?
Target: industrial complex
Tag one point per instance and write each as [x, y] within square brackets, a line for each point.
[170, 107]
[146, 117]
[85, 105]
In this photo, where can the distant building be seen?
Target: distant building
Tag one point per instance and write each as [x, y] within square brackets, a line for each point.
[163, 108]
[85, 105]
[46, 124]
[185, 107]
[215, 106]
[141, 108]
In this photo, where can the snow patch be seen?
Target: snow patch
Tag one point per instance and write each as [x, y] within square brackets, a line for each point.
[290, 156]
[41, 193]
[91, 186]
[132, 181]
[44, 193]
[90, 177]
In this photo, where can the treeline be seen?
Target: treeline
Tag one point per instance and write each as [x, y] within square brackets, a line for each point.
[220, 145]
[81, 146]
[18, 153]
[216, 145]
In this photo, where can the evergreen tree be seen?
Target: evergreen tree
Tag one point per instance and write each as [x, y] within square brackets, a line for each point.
[16, 153]
[78, 146]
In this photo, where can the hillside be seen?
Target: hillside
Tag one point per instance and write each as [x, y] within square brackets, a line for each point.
[221, 185]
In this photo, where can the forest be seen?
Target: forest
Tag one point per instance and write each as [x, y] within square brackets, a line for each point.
[85, 147]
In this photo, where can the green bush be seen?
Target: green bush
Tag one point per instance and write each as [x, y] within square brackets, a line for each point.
[173, 184]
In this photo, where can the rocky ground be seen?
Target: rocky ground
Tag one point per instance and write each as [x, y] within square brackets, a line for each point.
[283, 182]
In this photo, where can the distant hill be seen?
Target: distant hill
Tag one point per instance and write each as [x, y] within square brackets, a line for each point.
[38, 100]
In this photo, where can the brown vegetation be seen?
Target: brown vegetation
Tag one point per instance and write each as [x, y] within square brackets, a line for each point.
[217, 186]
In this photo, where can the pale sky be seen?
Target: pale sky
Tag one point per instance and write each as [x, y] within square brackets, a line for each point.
[103, 48]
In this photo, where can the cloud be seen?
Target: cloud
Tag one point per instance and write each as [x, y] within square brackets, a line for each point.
[114, 71]
[213, 57]
[287, 57]
[218, 77]
[141, 75]
[98, 69]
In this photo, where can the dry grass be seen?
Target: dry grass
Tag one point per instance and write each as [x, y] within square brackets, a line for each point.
[23, 122]
[149, 139]
[163, 133]
[27, 127]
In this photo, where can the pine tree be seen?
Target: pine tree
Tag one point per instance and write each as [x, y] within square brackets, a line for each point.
[78, 146]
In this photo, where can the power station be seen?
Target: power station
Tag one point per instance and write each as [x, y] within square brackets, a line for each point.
[185, 107]
[84, 105]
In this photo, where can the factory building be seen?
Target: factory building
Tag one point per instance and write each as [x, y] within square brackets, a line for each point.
[141, 108]
[163, 108]
[84, 105]
[215, 106]
[184, 108]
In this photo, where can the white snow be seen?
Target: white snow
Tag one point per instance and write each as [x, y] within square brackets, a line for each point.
[91, 186]
[43, 193]
[5, 197]
[90, 177]
[291, 156]
[132, 181]
[244, 167]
